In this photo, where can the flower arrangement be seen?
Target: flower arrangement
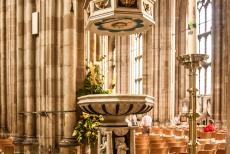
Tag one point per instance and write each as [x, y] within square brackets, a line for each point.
[86, 129]
[93, 83]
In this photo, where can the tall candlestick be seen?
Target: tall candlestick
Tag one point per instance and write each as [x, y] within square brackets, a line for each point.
[192, 27]
[192, 62]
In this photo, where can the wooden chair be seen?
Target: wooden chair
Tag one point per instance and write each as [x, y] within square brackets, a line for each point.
[157, 130]
[210, 147]
[220, 136]
[170, 139]
[142, 151]
[176, 144]
[205, 135]
[204, 141]
[138, 129]
[158, 145]
[142, 146]
[8, 149]
[141, 139]
[206, 152]
[182, 140]
[221, 151]
[186, 132]
[159, 150]
[178, 149]
[200, 147]
[179, 132]
[222, 145]
[167, 131]
[154, 137]
[156, 141]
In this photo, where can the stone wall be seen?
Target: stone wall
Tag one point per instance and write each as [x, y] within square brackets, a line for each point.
[40, 74]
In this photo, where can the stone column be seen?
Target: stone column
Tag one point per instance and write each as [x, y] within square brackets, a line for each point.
[217, 64]
[132, 140]
[109, 149]
[99, 142]
[19, 138]
[59, 55]
[79, 48]
[122, 59]
[111, 62]
[12, 80]
[227, 43]
[29, 76]
[41, 69]
[3, 100]
[69, 87]
[166, 58]
[180, 72]
[148, 62]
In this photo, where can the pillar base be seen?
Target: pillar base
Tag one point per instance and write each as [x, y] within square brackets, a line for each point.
[68, 146]
[4, 133]
[68, 142]
[18, 140]
[30, 140]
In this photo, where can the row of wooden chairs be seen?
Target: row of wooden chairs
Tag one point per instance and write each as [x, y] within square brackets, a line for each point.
[184, 132]
[153, 143]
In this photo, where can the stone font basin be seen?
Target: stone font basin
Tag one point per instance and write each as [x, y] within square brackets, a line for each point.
[116, 104]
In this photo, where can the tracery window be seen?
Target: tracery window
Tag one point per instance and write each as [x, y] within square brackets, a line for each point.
[204, 30]
[136, 63]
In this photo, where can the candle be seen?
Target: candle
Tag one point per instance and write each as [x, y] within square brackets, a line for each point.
[192, 27]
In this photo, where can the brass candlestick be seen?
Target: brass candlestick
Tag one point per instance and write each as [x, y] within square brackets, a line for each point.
[192, 62]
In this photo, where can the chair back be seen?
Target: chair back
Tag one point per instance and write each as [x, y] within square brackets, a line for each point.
[159, 150]
[179, 132]
[200, 147]
[178, 149]
[157, 130]
[168, 131]
[206, 152]
[221, 151]
[158, 145]
[176, 144]
[205, 135]
[220, 136]
[170, 139]
[210, 146]
[156, 141]
[222, 145]
[142, 151]
[142, 146]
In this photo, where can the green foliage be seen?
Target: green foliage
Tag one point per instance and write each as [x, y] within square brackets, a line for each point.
[93, 83]
[191, 25]
[86, 129]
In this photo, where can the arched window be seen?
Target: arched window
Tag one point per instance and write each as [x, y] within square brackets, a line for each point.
[204, 30]
[136, 63]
